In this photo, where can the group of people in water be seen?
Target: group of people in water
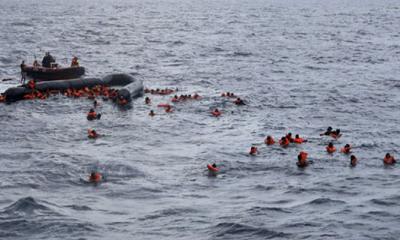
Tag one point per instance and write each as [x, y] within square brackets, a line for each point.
[302, 161]
[91, 93]
[95, 176]
[109, 93]
[184, 97]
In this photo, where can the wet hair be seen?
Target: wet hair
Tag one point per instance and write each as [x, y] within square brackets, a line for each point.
[297, 136]
[347, 145]
[91, 110]
[214, 165]
[387, 155]
[289, 134]
[329, 129]
[330, 144]
[337, 131]
[352, 157]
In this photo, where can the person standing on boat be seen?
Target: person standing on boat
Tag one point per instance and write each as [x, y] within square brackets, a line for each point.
[48, 60]
[74, 62]
[23, 73]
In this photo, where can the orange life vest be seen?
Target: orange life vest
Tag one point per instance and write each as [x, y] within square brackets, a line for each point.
[95, 178]
[284, 143]
[389, 160]
[31, 84]
[212, 169]
[216, 113]
[330, 149]
[303, 155]
[269, 141]
[345, 150]
[92, 114]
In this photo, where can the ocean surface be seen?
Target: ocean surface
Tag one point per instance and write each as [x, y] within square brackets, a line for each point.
[300, 65]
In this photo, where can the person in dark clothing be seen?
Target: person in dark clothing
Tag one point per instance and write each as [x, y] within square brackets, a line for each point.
[48, 60]
[23, 73]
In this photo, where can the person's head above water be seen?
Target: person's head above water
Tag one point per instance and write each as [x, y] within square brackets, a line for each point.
[330, 145]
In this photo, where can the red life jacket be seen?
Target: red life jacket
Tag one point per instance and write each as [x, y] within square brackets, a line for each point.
[298, 140]
[284, 143]
[216, 113]
[330, 149]
[212, 169]
[269, 141]
[96, 178]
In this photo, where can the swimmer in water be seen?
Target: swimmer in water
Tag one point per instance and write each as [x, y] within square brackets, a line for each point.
[92, 115]
[147, 100]
[216, 113]
[92, 134]
[151, 113]
[346, 149]
[284, 142]
[389, 159]
[95, 177]
[299, 140]
[336, 134]
[302, 160]
[239, 101]
[330, 148]
[353, 161]
[327, 132]
[289, 137]
[269, 140]
[253, 151]
[169, 109]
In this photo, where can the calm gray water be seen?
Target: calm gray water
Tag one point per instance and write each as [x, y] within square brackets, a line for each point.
[300, 65]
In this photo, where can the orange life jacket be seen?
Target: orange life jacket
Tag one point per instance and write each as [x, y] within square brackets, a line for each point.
[29, 96]
[389, 160]
[96, 178]
[298, 140]
[345, 150]
[92, 114]
[303, 155]
[216, 113]
[31, 84]
[92, 134]
[284, 143]
[269, 141]
[330, 149]
[212, 169]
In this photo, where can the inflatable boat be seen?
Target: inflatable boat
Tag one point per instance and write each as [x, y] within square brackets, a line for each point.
[128, 86]
[55, 73]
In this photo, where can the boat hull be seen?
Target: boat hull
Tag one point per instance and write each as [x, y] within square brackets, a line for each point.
[49, 74]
